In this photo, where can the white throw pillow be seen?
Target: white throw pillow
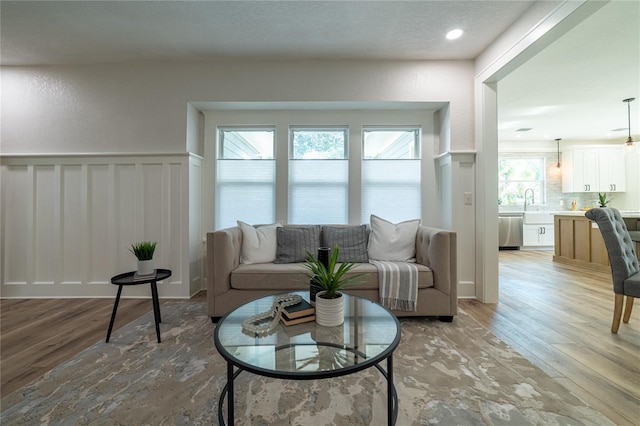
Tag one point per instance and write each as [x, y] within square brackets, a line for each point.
[393, 241]
[259, 243]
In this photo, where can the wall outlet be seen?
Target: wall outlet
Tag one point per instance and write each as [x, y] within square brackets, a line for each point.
[468, 198]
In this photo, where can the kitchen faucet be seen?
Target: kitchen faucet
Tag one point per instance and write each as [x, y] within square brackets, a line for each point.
[533, 198]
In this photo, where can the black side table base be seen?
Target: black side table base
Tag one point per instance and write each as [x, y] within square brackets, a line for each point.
[113, 313]
[127, 279]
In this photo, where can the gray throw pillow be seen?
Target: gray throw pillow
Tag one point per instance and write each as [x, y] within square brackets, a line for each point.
[294, 241]
[351, 241]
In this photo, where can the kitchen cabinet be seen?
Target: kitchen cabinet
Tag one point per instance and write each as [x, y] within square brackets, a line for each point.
[611, 167]
[538, 229]
[596, 168]
[538, 235]
[579, 242]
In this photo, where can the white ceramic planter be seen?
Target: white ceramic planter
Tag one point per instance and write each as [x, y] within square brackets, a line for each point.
[329, 312]
[145, 267]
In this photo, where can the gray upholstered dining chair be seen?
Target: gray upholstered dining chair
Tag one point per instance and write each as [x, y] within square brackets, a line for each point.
[622, 257]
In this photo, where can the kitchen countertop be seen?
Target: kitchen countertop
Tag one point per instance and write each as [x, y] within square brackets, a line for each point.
[625, 214]
[628, 214]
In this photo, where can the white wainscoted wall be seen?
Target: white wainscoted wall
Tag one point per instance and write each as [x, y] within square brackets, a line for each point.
[456, 175]
[68, 221]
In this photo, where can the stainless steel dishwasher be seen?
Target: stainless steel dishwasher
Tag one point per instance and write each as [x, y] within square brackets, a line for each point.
[510, 230]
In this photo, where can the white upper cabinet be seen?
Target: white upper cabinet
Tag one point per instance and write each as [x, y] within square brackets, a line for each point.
[612, 169]
[594, 168]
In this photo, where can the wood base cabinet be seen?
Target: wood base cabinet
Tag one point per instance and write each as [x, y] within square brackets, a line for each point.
[578, 241]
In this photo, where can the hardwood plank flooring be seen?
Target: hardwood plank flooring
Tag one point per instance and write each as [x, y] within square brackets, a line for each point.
[38, 334]
[557, 316]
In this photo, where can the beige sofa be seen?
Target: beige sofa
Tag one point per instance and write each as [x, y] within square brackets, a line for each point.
[231, 284]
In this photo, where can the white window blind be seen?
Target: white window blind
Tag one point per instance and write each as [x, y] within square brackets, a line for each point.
[391, 174]
[318, 175]
[318, 191]
[245, 177]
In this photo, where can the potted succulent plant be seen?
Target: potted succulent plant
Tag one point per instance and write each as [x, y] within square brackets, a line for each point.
[332, 279]
[144, 252]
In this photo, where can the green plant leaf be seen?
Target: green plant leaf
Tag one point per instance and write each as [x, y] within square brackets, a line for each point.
[331, 280]
[143, 250]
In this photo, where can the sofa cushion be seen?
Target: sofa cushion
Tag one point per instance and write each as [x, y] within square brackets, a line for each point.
[287, 277]
[351, 241]
[295, 241]
[393, 241]
[259, 242]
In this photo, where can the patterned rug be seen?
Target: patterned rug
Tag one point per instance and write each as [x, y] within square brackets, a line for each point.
[445, 373]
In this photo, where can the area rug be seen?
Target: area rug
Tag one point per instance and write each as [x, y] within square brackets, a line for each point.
[445, 373]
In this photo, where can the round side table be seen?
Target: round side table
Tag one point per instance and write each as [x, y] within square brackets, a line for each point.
[128, 278]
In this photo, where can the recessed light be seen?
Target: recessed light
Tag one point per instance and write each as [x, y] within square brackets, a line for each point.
[454, 34]
[523, 129]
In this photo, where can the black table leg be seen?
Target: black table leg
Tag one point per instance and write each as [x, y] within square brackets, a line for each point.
[156, 308]
[113, 314]
[390, 390]
[230, 415]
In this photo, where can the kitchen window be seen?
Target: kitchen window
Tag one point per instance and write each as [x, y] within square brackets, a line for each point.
[516, 175]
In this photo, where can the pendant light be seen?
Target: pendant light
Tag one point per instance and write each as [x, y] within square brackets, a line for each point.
[558, 148]
[629, 139]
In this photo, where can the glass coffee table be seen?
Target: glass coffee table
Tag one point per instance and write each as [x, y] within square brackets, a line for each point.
[308, 351]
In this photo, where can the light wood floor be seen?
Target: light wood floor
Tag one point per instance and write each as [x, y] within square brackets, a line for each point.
[557, 316]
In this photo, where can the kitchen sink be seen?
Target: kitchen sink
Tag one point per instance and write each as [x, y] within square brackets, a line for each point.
[538, 217]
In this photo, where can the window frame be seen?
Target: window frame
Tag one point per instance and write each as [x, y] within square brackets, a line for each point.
[340, 188]
[222, 184]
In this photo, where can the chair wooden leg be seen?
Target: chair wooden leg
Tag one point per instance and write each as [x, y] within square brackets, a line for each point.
[617, 312]
[627, 309]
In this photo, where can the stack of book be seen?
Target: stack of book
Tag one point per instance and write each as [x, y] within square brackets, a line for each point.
[143, 277]
[298, 313]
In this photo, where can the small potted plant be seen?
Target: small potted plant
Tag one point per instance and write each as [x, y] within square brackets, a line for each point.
[329, 301]
[602, 198]
[144, 252]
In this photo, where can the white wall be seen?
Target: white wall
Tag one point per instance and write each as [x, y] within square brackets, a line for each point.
[124, 108]
[68, 222]
[150, 109]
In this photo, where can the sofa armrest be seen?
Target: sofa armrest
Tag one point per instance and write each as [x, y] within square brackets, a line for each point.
[437, 249]
[223, 256]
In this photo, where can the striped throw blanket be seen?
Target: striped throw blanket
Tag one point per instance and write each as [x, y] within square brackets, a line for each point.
[398, 283]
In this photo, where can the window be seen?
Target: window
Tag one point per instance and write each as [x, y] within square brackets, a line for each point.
[318, 175]
[245, 176]
[317, 166]
[516, 175]
[391, 174]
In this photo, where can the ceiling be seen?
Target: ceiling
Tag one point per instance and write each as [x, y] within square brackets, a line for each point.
[119, 31]
[571, 90]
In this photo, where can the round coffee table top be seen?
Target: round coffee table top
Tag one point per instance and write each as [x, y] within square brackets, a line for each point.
[370, 334]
